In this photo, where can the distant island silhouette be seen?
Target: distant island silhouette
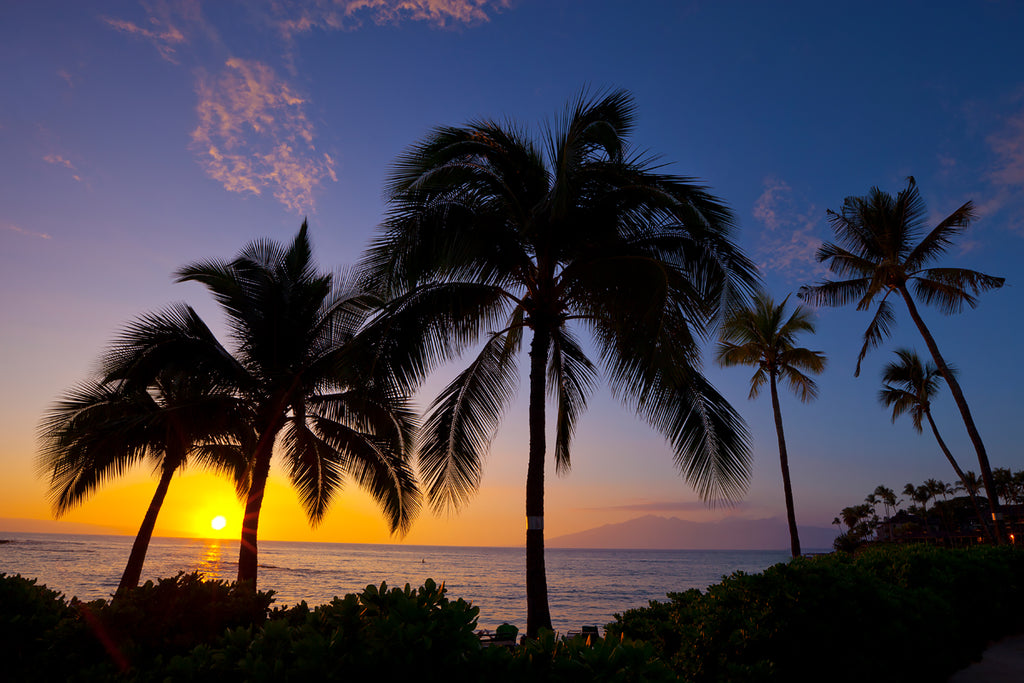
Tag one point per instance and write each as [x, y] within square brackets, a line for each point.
[671, 533]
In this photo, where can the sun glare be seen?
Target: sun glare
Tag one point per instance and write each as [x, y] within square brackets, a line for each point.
[218, 523]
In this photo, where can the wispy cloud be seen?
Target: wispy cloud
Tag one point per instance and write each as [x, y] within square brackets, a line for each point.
[253, 134]
[1007, 175]
[65, 75]
[58, 160]
[28, 233]
[165, 36]
[788, 242]
[350, 14]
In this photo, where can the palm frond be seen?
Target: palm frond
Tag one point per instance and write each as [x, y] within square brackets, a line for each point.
[460, 424]
[571, 379]
[877, 332]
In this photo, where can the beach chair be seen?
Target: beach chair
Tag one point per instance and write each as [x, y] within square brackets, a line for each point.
[504, 636]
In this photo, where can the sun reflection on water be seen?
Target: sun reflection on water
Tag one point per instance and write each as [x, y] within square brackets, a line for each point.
[212, 562]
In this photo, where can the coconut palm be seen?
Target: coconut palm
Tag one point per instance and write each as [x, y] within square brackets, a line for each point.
[763, 336]
[877, 252]
[909, 386]
[305, 367]
[489, 235]
[886, 496]
[100, 429]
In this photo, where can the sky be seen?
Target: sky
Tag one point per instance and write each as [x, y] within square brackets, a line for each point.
[137, 137]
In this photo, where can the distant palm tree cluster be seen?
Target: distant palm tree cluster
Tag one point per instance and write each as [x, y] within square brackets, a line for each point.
[952, 519]
[495, 243]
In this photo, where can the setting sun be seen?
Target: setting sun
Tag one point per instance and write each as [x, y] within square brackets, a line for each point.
[218, 523]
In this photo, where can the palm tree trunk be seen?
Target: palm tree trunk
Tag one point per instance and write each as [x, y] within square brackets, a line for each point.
[538, 615]
[787, 486]
[965, 412]
[248, 556]
[133, 570]
[960, 474]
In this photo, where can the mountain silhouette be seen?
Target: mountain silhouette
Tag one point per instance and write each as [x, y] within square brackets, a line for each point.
[671, 533]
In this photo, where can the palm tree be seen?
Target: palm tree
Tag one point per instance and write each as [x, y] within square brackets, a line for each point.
[489, 235]
[877, 251]
[762, 336]
[971, 483]
[886, 496]
[304, 365]
[102, 428]
[920, 495]
[909, 385]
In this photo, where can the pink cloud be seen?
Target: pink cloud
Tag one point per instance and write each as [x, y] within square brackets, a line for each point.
[349, 14]
[164, 36]
[28, 233]
[253, 135]
[58, 160]
[1007, 176]
[788, 243]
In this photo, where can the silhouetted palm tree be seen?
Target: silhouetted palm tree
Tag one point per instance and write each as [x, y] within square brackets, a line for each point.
[877, 251]
[763, 336]
[101, 429]
[489, 234]
[909, 385]
[317, 390]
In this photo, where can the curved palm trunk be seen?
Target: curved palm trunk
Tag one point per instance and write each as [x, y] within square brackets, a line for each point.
[965, 412]
[133, 570]
[248, 561]
[960, 474]
[538, 615]
[787, 486]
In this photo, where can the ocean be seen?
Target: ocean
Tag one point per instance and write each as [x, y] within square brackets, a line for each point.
[585, 587]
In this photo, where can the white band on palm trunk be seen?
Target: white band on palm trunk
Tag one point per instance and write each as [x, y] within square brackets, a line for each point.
[535, 523]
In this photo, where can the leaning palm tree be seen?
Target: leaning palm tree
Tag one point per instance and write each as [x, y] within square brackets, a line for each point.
[877, 252]
[316, 389]
[763, 336]
[489, 235]
[909, 385]
[100, 429]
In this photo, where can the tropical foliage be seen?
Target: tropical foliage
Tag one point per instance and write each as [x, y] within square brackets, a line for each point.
[101, 428]
[878, 250]
[922, 613]
[909, 386]
[490, 234]
[763, 336]
[302, 366]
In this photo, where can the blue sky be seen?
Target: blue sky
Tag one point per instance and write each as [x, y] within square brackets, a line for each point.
[140, 136]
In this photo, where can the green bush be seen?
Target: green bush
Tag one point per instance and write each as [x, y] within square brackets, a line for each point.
[886, 614]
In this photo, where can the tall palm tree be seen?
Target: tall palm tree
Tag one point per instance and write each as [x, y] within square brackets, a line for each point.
[763, 336]
[489, 235]
[909, 385]
[100, 429]
[877, 252]
[304, 364]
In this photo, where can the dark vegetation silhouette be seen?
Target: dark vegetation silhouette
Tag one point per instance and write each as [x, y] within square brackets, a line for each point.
[103, 427]
[881, 250]
[909, 386]
[491, 234]
[763, 336]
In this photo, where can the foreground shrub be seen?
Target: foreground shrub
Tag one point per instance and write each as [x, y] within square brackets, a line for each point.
[904, 613]
[37, 627]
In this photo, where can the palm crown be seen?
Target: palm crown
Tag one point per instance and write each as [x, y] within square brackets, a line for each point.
[763, 337]
[910, 385]
[494, 235]
[878, 249]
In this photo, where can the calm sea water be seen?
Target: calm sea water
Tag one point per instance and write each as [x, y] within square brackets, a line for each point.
[584, 586]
